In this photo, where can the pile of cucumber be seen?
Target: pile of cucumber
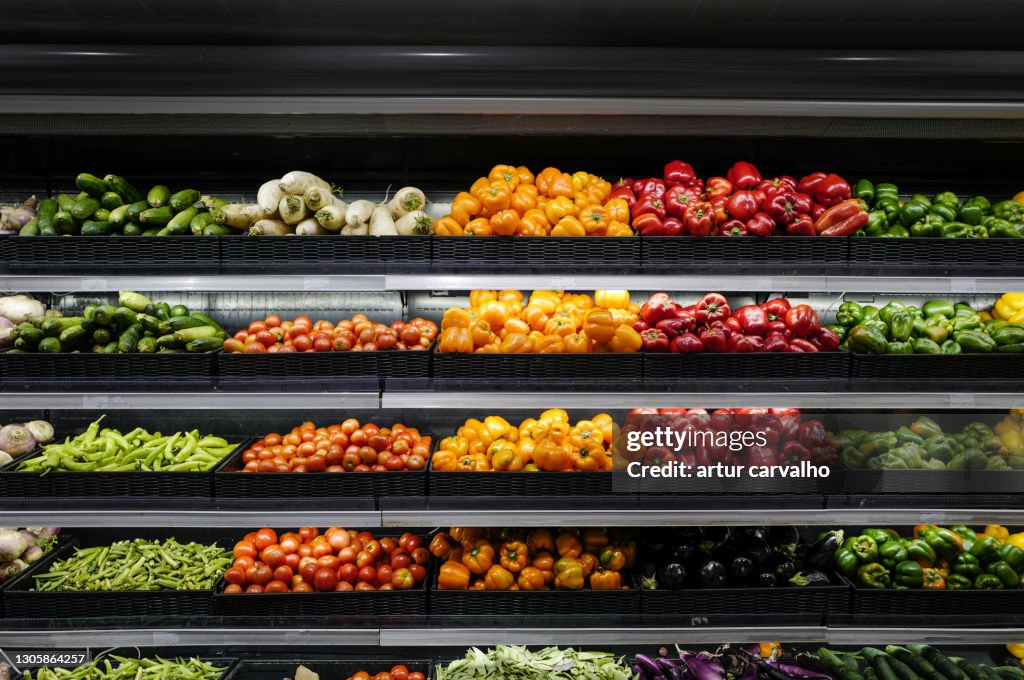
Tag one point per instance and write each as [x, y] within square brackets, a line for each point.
[913, 662]
[113, 207]
[136, 324]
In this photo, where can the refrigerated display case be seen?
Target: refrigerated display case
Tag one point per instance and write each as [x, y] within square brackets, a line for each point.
[222, 97]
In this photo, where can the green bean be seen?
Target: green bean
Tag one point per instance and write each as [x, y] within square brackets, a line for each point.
[132, 669]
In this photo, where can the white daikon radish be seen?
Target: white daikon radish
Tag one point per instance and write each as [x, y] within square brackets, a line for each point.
[234, 215]
[269, 195]
[310, 227]
[331, 217]
[362, 229]
[318, 197]
[269, 228]
[381, 222]
[292, 209]
[296, 182]
[359, 212]
[416, 223]
[407, 200]
[254, 212]
[303, 673]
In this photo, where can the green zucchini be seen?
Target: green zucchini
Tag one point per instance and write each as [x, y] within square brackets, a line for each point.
[190, 334]
[157, 216]
[135, 210]
[123, 187]
[184, 199]
[65, 223]
[170, 350]
[54, 325]
[119, 215]
[179, 224]
[163, 311]
[150, 324]
[111, 347]
[31, 228]
[918, 664]
[205, 345]
[217, 230]
[129, 340]
[65, 202]
[147, 345]
[91, 184]
[105, 315]
[84, 209]
[74, 334]
[151, 232]
[49, 345]
[180, 323]
[102, 336]
[941, 662]
[101, 215]
[46, 214]
[137, 302]
[125, 317]
[157, 196]
[98, 228]
[207, 320]
[199, 222]
[166, 341]
[111, 200]
[178, 310]
[132, 229]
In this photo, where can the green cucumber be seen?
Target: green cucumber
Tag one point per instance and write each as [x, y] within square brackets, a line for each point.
[941, 662]
[105, 315]
[129, 340]
[180, 323]
[124, 317]
[84, 208]
[72, 335]
[205, 345]
[111, 200]
[136, 302]
[65, 202]
[46, 214]
[111, 347]
[132, 229]
[147, 345]
[918, 664]
[178, 310]
[200, 221]
[218, 230]
[179, 223]
[184, 199]
[31, 228]
[98, 228]
[190, 334]
[28, 335]
[170, 350]
[101, 215]
[135, 210]
[65, 223]
[157, 196]
[150, 324]
[157, 216]
[49, 345]
[80, 195]
[123, 187]
[90, 312]
[102, 336]
[91, 184]
[54, 325]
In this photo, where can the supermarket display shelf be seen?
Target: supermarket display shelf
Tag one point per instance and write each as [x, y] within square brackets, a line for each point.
[211, 517]
[199, 400]
[552, 280]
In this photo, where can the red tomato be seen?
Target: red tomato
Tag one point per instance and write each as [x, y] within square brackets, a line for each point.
[410, 541]
[284, 573]
[234, 575]
[234, 346]
[395, 463]
[308, 571]
[233, 589]
[349, 426]
[273, 555]
[386, 341]
[421, 556]
[389, 544]
[292, 561]
[266, 338]
[368, 455]
[379, 442]
[399, 672]
[254, 589]
[400, 559]
[302, 588]
[329, 561]
[308, 534]
[416, 676]
[245, 549]
[277, 587]
[302, 343]
[382, 676]
[255, 348]
[257, 326]
[244, 563]
[363, 585]
[325, 579]
[368, 574]
[272, 320]
[418, 572]
[262, 575]
[339, 540]
[323, 345]
[416, 462]
[384, 573]
[348, 555]
[358, 438]
[316, 464]
[344, 586]
[364, 559]
[349, 572]
[289, 544]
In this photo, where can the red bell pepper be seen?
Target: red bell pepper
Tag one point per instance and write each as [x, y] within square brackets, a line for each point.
[659, 306]
[654, 341]
[809, 184]
[812, 433]
[722, 420]
[733, 325]
[678, 199]
[640, 325]
[625, 193]
[744, 204]
[644, 411]
[721, 326]
[776, 342]
[801, 320]
[773, 185]
[744, 175]
[752, 318]
[675, 327]
[672, 227]
[650, 185]
[816, 210]
[686, 343]
[756, 342]
[824, 339]
[778, 327]
[713, 341]
[758, 456]
[842, 219]
[802, 225]
[781, 206]
[700, 218]
[721, 211]
[718, 187]
[801, 345]
[776, 308]
[738, 344]
[712, 307]
[623, 182]
[733, 228]
[678, 172]
[648, 224]
[831, 190]
[794, 452]
[761, 224]
[648, 203]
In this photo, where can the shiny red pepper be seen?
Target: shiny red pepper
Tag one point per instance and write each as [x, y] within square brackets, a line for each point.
[761, 456]
[744, 204]
[676, 327]
[650, 185]
[817, 209]
[809, 184]
[744, 175]
[801, 345]
[733, 228]
[625, 193]
[640, 325]
[775, 342]
[781, 206]
[752, 318]
[654, 341]
[679, 199]
[733, 325]
[678, 172]
[794, 452]
[842, 219]
[700, 218]
[776, 308]
[659, 306]
[718, 187]
[739, 344]
[721, 211]
[761, 224]
[772, 185]
[801, 320]
[812, 433]
[623, 182]
[648, 224]
[714, 341]
[833, 189]
[686, 343]
[848, 226]
[648, 203]
[722, 420]
[824, 339]
[672, 227]
[803, 225]
[778, 327]
[712, 307]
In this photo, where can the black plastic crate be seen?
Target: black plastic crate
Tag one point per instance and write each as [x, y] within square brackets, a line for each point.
[938, 256]
[782, 254]
[247, 368]
[822, 600]
[548, 370]
[101, 255]
[568, 253]
[327, 669]
[22, 602]
[330, 254]
[229, 483]
[935, 603]
[934, 481]
[534, 602]
[781, 370]
[507, 483]
[55, 371]
[14, 484]
[961, 372]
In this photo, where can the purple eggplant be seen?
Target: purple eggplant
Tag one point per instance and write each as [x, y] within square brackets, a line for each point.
[702, 669]
[649, 666]
[670, 669]
[774, 669]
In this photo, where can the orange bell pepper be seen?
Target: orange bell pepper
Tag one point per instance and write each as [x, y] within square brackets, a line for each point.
[545, 178]
[504, 173]
[505, 223]
[481, 226]
[495, 198]
[595, 220]
[618, 229]
[441, 546]
[514, 556]
[568, 574]
[455, 444]
[568, 545]
[605, 579]
[481, 333]
[550, 344]
[577, 343]
[457, 340]
[507, 458]
[579, 179]
[444, 460]
[588, 458]
[479, 297]
[472, 462]
[449, 226]
[606, 424]
[594, 540]
[499, 578]
[546, 299]
[560, 326]
[479, 556]
[525, 176]
[465, 206]
[495, 313]
[599, 326]
[626, 340]
[618, 210]
[516, 343]
[524, 198]
[561, 186]
[568, 226]
[540, 541]
[545, 563]
[558, 208]
[536, 316]
[550, 456]
[477, 189]
[531, 578]
[589, 562]
[612, 557]
[455, 317]
[453, 576]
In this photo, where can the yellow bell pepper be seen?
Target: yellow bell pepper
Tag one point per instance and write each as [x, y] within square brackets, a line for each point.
[1016, 649]
[1008, 306]
[608, 299]
[553, 414]
[1019, 198]
[984, 315]
[1012, 440]
[996, 531]
[1016, 540]
[558, 208]
[568, 226]
[580, 179]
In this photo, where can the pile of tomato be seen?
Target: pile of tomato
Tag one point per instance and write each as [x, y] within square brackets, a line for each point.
[398, 672]
[339, 559]
[358, 334]
[348, 447]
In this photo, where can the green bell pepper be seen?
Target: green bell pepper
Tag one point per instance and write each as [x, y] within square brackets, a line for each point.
[922, 198]
[913, 211]
[886, 313]
[847, 562]
[933, 307]
[951, 347]
[870, 311]
[867, 340]
[975, 341]
[980, 201]
[878, 223]
[852, 458]
[879, 442]
[944, 211]
[988, 582]
[964, 531]
[874, 575]
[966, 323]
[969, 459]
[1015, 348]
[940, 447]
[928, 226]
[955, 230]
[986, 549]
[886, 189]
[1012, 555]
[865, 190]
[904, 435]
[901, 324]
[849, 314]
[840, 331]
[926, 346]
[1000, 228]
[963, 309]
[876, 324]
[925, 427]
[959, 582]
[946, 198]
[970, 213]
[1005, 573]
[899, 347]
[966, 565]
[919, 551]
[936, 334]
[1009, 210]
[1009, 334]
[881, 536]
[892, 553]
[940, 321]
[896, 231]
[944, 542]
[864, 547]
[909, 574]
